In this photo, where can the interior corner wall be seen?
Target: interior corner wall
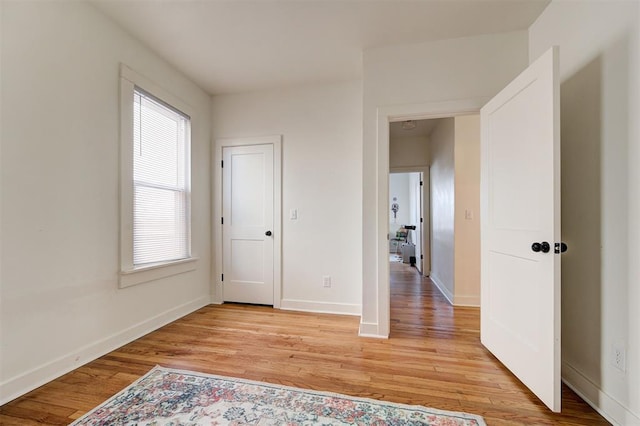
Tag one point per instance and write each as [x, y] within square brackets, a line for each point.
[322, 179]
[464, 68]
[467, 211]
[442, 190]
[60, 302]
[600, 133]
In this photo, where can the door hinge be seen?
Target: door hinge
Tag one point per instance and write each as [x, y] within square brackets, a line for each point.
[222, 163]
[222, 277]
[222, 221]
[420, 220]
[421, 183]
[421, 257]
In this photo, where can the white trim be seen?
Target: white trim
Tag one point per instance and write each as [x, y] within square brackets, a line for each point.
[155, 272]
[126, 174]
[276, 141]
[385, 115]
[129, 274]
[443, 289]
[369, 329]
[606, 405]
[320, 307]
[155, 89]
[26, 382]
[409, 169]
[277, 220]
[467, 301]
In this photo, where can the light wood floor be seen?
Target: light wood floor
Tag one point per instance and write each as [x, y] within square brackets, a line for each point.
[433, 358]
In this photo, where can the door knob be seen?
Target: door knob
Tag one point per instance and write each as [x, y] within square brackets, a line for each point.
[560, 248]
[543, 247]
[268, 233]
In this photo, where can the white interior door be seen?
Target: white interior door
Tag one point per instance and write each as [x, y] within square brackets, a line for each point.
[520, 202]
[417, 190]
[248, 224]
[425, 223]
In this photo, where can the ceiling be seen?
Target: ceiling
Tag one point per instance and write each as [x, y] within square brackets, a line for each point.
[423, 128]
[228, 46]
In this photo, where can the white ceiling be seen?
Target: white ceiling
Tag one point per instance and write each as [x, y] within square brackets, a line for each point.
[230, 46]
[423, 129]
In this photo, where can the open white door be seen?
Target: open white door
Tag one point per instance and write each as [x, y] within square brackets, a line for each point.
[520, 222]
[417, 234]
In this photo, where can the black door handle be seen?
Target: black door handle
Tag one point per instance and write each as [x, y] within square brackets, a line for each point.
[543, 247]
[268, 233]
[560, 248]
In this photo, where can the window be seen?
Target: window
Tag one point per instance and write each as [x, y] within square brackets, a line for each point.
[160, 182]
[155, 189]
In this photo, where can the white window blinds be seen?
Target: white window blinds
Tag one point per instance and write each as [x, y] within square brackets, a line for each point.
[161, 216]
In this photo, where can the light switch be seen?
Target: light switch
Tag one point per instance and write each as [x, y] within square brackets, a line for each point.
[293, 214]
[468, 214]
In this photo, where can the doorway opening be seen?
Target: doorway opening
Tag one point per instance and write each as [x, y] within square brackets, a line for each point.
[434, 203]
[406, 221]
[520, 129]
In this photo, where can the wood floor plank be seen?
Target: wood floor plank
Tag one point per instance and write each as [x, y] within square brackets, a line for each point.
[433, 358]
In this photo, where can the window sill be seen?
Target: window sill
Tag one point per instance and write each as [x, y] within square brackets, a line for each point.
[156, 272]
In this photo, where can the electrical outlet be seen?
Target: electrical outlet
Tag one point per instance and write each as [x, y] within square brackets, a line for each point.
[326, 281]
[619, 357]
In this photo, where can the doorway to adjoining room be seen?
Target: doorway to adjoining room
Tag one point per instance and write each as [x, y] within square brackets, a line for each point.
[405, 226]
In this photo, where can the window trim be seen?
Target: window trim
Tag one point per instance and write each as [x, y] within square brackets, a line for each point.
[129, 274]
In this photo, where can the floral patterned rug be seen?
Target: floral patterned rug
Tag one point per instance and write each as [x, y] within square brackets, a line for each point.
[179, 398]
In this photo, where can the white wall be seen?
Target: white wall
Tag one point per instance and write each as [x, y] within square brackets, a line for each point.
[442, 191]
[61, 305]
[411, 151]
[600, 83]
[417, 74]
[321, 178]
[467, 210]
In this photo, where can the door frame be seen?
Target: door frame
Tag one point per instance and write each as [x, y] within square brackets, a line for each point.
[425, 210]
[386, 115]
[216, 230]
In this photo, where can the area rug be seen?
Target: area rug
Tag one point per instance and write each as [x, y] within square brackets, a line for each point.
[179, 398]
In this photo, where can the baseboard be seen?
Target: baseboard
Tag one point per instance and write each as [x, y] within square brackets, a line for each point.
[445, 292]
[320, 307]
[469, 301]
[609, 408]
[370, 329]
[26, 382]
